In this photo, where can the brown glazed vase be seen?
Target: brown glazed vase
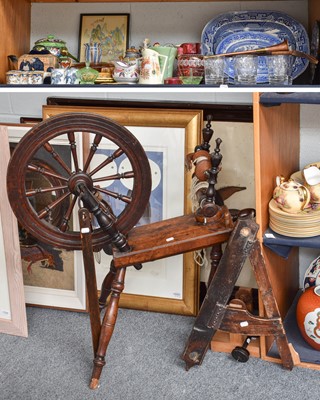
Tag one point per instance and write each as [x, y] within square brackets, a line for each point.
[308, 316]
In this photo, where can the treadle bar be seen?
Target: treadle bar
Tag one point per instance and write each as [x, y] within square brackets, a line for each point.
[214, 305]
[90, 273]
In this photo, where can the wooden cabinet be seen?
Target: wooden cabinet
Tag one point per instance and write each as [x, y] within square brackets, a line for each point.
[15, 20]
[274, 128]
[276, 120]
[277, 151]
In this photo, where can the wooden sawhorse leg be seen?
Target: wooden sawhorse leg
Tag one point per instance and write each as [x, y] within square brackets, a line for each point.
[289, 358]
[216, 314]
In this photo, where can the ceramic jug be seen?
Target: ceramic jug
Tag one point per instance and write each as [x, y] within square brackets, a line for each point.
[171, 52]
[150, 71]
[290, 196]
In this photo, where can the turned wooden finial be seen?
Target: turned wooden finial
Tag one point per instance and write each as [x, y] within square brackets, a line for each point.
[207, 133]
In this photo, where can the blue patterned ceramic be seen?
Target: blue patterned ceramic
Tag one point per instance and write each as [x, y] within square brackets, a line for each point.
[93, 52]
[312, 274]
[244, 30]
[247, 41]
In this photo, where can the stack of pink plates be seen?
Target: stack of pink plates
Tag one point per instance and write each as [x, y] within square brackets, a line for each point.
[306, 223]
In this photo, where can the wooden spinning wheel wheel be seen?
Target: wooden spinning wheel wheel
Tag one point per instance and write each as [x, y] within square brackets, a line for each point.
[58, 187]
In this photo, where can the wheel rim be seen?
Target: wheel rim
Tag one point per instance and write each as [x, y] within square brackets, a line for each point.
[105, 133]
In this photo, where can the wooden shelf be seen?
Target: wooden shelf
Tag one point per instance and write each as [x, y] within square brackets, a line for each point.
[133, 1]
[282, 245]
[274, 99]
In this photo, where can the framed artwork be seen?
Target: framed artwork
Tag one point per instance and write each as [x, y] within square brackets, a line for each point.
[167, 135]
[110, 30]
[52, 277]
[12, 304]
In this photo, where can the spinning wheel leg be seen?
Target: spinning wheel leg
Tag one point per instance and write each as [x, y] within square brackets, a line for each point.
[107, 328]
[106, 286]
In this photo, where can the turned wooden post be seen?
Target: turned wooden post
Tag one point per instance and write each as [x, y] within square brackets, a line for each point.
[107, 327]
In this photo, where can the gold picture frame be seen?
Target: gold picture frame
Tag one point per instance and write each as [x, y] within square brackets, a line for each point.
[110, 30]
[188, 124]
[13, 318]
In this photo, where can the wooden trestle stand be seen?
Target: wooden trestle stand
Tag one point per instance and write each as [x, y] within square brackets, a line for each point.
[210, 225]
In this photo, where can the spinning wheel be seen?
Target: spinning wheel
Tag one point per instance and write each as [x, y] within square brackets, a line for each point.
[40, 191]
[37, 191]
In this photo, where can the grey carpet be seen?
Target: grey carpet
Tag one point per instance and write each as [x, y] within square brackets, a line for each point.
[143, 363]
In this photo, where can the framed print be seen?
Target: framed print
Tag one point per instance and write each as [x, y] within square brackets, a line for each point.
[111, 31]
[171, 284]
[13, 318]
[52, 277]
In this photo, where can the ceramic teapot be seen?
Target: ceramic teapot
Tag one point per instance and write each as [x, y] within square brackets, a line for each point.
[150, 71]
[55, 46]
[126, 71]
[290, 196]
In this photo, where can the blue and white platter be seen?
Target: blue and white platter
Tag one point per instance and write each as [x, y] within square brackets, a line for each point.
[247, 30]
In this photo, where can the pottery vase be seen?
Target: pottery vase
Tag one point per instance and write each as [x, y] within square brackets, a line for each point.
[93, 52]
[308, 316]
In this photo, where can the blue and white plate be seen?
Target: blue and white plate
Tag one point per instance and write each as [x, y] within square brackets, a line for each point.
[312, 274]
[244, 30]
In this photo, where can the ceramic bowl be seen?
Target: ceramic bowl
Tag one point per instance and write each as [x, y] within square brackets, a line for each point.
[191, 80]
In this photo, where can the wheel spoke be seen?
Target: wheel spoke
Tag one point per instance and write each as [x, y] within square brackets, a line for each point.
[67, 216]
[56, 156]
[93, 149]
[124, 175]
[73, 147]
[115, 195]
[46, 211]
[43, 171]
[30, 193]
[107, 161]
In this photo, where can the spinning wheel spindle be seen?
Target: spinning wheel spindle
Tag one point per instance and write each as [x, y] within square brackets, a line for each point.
[105, 220]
